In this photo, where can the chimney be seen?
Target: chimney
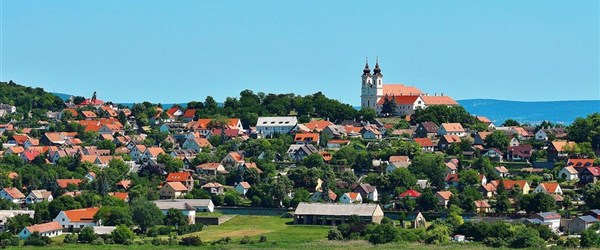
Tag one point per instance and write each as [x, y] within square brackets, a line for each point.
[442, 94]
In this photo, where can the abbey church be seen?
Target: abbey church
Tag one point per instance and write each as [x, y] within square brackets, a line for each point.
[407, 98]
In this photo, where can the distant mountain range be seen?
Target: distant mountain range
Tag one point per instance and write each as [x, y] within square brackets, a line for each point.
[499, 110]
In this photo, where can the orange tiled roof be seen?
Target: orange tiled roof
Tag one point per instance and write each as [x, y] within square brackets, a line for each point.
[400, 89]
[63, 183]
[177, 186]
[445, 194]
[14, 193]
[439, 100]
[424, 142]
[401, 99]
[45, 227]
[453, 127]
[549, 186]
[181, 176]
[121, 195]
[318, 125]
[81, 215]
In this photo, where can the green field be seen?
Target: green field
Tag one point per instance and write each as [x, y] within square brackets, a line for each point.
[280, 233]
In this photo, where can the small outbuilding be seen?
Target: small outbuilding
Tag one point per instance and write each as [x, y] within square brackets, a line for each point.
[336, 213]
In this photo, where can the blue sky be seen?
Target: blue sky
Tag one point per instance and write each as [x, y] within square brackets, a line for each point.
[177, 51]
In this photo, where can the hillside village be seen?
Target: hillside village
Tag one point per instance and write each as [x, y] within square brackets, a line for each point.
[90, 171]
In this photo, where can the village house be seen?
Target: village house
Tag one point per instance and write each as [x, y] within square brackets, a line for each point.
[568, 173]
[443, 198]
[337, 144]
[351, 197]
[196, 144]
[299, 152]
[50, 229]
[214, 188]
[183, 177]
[580, 163]
[152, 153]
[544, 134]
[451, 180]
[173, 190]
[549, 219]
[519, 153]
[233, 159]
[334, 131]
[242, 187]
[557, 150]
[267, 126]
[426, 144]
[589, 175]
[548, 188]
[37, 196]
[367, 191]
[336, 213]
[426, 130]
[318, 196]
[493, 154]
[137, 151]
[306, 138]
[77, 218]
[480, 137]
[410, 194]
[481, 206]
[581, 223]
[447, 140]
[199, 205]
[211, 168]
[370, 133]
[451, 129]
[7, 214]
[501, 171]
[12, 194]
[510, 184]
[64, 183]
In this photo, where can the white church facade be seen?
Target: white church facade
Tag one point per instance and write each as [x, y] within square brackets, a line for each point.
[374, 93]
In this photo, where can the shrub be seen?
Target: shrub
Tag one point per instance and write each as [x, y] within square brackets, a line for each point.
[263, 238]
[152, 232]
[71, 238]
[224, 240]
[191, 241]
[334, 234]
[128, 242]
[189, 229]
[162, 230]
[121, 234]
[159, 242]
[245, 240]
[97, 241]
[109, 241]
[8, 239]
[36, 239]
[87, 235]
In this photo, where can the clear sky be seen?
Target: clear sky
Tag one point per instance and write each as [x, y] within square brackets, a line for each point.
[177, 51]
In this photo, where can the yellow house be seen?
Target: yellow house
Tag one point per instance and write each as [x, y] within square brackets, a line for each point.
[172, 190]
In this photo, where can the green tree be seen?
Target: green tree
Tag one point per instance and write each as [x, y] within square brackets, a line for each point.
[402, 177]
[62, 203]
[502, 204]
[15, 224]
[427, 201]
[146, 214]
[497, 139]
[389, 105]
[510, 123]
[383, 233]
[175, 218]
[122, 234]
[114, 215]
[429, 166]
[437, 233]
[313, 161]
[87, 235]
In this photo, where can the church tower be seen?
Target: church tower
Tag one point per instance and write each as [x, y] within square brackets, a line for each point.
[372, 86]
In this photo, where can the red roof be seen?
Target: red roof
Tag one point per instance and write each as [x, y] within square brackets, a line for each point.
[81, 215]
[46, 227]
[305, 137]
[452, 178]
[189, 113]
[63, 183]
[121, 195]
[182, 176]
[92, 102]
[410, 193]
[402, 99]
[580, 162]
[20, 139]
[30, 154]
[424, 142]
[14, 193]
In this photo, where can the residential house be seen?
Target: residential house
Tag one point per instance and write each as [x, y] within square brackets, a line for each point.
[451, 129]
[334, 131]
[173, 190]
[214, 188]
[12, 194]
[306, 138]
[568, 173]
[451, 180]
[37, 196]
[425, 143]
[366, 191]
[337, 144]
[64, 183]
[548, 188]
[447, 140]
[183, 177]
[196, 144]
[233, 159]
[580, 163]
[581, 223]
[589, 175]
[77, 218]
[480, 138]
[488, 190]
[410, 194]
[371, 133]
[510, 184]
[7, 214]
[501, 171]
[351, 197]
[482, 206]
[299, 152]
[242, 187]
[124, 196]
[275, 125]
[137, 151]
[544, 134]
[189, 115]
[493, 154]
[451, 168]
[519, 153]
[152, 153]
[557, 150]
[426, 130]
[318, 196]
[549, 219]
[443, 198]
[188, 207]
[50, 229]
[486, 121]
[336, 213]
[211, 168]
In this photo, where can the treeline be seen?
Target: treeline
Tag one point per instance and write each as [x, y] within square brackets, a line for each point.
[33, 101]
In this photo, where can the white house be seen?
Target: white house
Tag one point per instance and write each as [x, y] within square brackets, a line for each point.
[568, 173]
[549, 219]
[196, 144]
[451, 129]
[278, 124]
[370, 133]
[242, 187]
[136, 151]
[351, 198]
[12, 194]
[37, 196]
[77, 218]
[152, 153]
[367, 191]
[50, 229]
[405, 104]
[188, 207]
[548, 188]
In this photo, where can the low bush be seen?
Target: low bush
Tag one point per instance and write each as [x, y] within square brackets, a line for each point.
[191, 241]
[245, 240]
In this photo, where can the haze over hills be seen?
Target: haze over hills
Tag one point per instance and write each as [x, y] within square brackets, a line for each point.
[500, 110]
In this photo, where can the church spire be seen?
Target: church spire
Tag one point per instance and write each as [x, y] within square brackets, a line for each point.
[377, 70]
[367, 71]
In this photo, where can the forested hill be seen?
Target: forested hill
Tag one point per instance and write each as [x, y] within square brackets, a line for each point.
[29, 99]
[531, 112]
